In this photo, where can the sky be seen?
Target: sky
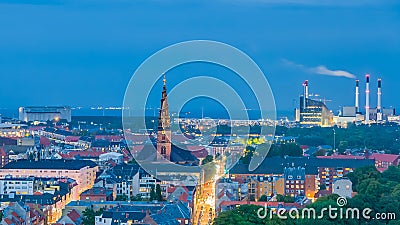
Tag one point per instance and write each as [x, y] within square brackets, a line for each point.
[84, 52]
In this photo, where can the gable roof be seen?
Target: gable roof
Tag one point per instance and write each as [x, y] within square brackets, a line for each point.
[74, 215]
[385, 157]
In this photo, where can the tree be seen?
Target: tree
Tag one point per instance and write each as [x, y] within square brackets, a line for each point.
[286, 199]
[320, 152]
[89, 216]
[245, 214]
[392, 174]
[363, 174]
[263, 198]
[158, 194]
[207, 159]
[248, 154]
[121, 198]
[291, 149]
[137, 198]
[152, 193]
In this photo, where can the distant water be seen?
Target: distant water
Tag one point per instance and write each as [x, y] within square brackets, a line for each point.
[253, 114]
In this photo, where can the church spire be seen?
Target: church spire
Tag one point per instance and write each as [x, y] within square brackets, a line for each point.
[164, 126]
[165, 81]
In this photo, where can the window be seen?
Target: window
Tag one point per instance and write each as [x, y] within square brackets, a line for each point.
[163, 150]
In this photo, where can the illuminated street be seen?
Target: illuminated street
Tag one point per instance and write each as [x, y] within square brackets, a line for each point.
[204, 209]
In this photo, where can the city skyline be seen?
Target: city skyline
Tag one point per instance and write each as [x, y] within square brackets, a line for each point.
[93, 49]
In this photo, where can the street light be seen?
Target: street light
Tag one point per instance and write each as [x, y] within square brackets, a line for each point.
[334, 139]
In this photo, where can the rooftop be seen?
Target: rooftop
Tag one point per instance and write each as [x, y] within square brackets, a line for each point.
[50, 164]
[276, 165]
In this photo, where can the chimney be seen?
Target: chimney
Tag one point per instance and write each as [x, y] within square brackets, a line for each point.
[379, 107]
[357, 97]
[305, 94]
[367, 99]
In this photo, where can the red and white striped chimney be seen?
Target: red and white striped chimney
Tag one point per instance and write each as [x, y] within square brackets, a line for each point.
[367, 99]
[379, 106]
[305, 85]
[357, 97]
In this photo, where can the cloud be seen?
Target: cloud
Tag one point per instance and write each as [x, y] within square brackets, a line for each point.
[320, 70]
[337, 73]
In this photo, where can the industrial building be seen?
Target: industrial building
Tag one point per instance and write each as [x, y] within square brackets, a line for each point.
[45, 113]
[353, 114]
[313, 112]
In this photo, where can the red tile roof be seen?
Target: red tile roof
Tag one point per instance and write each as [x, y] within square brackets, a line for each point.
[184, 197]
[72, 138]
[322, 193]
[341, 157]
[136, 148]
[386, 158]
[2, 152]
[202, 153]
[44, 141]
[268, 204]
[73, 154]
[8, 221]
[137, 138]
[74, 215]
[35, 128]
[171, 189]
[108, 137]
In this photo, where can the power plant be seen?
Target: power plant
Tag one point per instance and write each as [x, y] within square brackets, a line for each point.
[315, 113]
[367, 99]
[312, 112]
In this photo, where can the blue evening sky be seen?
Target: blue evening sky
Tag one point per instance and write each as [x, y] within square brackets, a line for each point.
[83, 52]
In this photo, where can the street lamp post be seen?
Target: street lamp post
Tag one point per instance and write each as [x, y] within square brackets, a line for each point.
[334, 139]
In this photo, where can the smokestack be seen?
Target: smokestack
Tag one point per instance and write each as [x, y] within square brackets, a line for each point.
[367, 99]
[357, 97]
[379, 106]
[305, 85]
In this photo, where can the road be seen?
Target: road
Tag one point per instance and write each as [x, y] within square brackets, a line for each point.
[204, 209]
[205, 204]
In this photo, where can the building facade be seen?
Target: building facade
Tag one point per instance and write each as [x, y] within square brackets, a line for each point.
[45, 113]
[82, 171]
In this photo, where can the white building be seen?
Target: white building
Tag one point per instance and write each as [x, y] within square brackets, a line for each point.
[45, 113]
[19, 186]
[118, 158]
[343, 188]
